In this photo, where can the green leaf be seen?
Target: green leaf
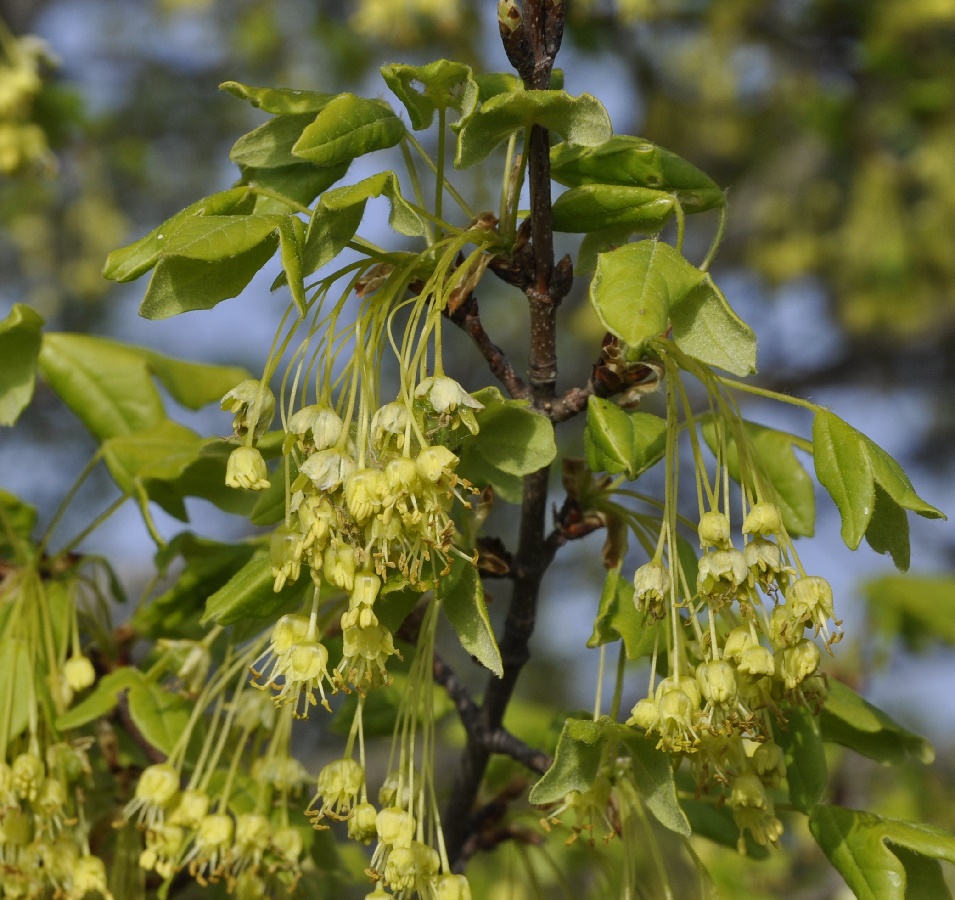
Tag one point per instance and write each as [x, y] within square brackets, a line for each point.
[862, 847]
[270, 145]
[17, 521]
[299, 185]
[851, 467]
[466, 610]
[513, 442]
[179, 285]
[706, 328]
[618, 617]
[106, 384]
[597, 242]
[632, 161]
[575, 765]
[594, 207]
[850, 720]
[346, 128]
[19, 347]
[339, 214]
[716, 823]
[653, 774]
[128, 263]
[192, 385]
[207, 566]
[291, 240]
[213, 238]
[16, 677]
[635, 287]
[161, 452]
[919, 610]
[279, 101]
[617, 441]
[580, 120]
[772, 452]
[805, 757]
[160, 716]
[249, 594]
[102, 699]
[443, 84]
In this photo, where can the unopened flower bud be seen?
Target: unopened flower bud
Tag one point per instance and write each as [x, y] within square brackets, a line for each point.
[361, 823]
[644, 714]
[736, 642]
[363, 493]
[763, 519]
[328, 469]
[717, 681]
[79, 673]
[395, 827]
[798, 662]
[757, 660]
[433, 462]
[714, 530]
[246, 469]
[288, 843]
[452, 887]
[445, 395]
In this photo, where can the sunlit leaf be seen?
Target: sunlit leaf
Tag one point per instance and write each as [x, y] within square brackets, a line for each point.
[19, 347]
[862, 846]
[653, 774]
[580, 120]
[346, 128]
[635, 287]
[633, 161]
[576, 762]
[851, 468]
[279, 101]
[618, 442]
[467, 612]
[435, 86]
[852, 721]
[706, 328]
[920, 610]
[596, 207]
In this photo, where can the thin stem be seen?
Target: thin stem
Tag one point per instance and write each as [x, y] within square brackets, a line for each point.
[65, 502]
[89, 529]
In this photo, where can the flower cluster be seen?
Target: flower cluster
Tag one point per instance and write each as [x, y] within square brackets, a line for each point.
[744, 657]
[23, 142]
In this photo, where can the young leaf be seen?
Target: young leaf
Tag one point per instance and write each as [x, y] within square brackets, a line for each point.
[580, 120]
[161, 452]
[653, 773]
[206, 566]
[443, 85]
[160, 716]
[467, 612]
[862, 847]
[851, 468]
[706, 328]
[270, 145]
[291, 240]
[102, 699]
[212, 238]
[17, 521]
[919, 610]
[192, 385]
[576, 762]
[806, 771]
[249, 594]
[346, 128]
[128, 263]
[594, 207]
[635, 287]
[513, 441]
[295, 186]
[180, 285]
[773, 455]
[339, 214]
[19, 347]
[850, 720]
[632, 161]
[279, 101]
[105, 383]
[617, 441]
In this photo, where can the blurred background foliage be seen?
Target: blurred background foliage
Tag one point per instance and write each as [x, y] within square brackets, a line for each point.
[831, 122]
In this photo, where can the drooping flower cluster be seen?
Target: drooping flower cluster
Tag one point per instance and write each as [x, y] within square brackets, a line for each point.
[739, 635]
[23, 143]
